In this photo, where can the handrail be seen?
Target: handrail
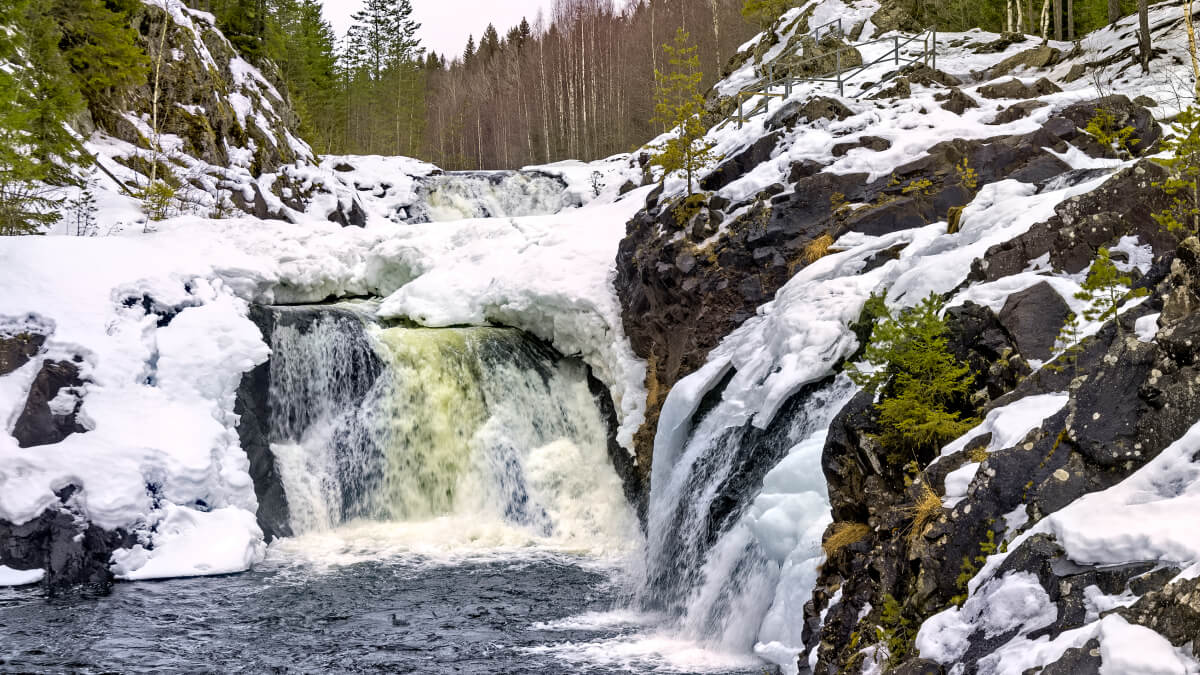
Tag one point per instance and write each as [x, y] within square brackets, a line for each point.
[763, 85]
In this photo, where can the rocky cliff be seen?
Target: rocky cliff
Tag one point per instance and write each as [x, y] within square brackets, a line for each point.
[922, 567]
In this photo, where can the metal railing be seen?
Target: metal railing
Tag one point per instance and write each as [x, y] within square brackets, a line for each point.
[764, 87]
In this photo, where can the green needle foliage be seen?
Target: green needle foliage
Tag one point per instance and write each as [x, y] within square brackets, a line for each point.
[679, 104]
[1105, 289]
[1103, 128]
[1183, 181]
[920, 381]
[764, 12]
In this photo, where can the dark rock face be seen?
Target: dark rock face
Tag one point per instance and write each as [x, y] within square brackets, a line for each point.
[71, 551]
[1126, 113]
[1033, 317]
[1173, 612]
[1128, 400]
[1122, 206]
[742, 163]
[817, 108]
[678, 300]
[52, 408]
[1038, 57]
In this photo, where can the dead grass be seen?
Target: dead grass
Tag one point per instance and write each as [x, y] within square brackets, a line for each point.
[924, 511]
[818, 248]
[844, 534]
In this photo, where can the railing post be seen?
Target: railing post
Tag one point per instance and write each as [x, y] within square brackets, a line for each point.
[935, 47]
[897, 50]
[741, 116]
[838, 60]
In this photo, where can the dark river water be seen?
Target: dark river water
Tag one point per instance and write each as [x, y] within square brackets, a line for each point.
[537, 613]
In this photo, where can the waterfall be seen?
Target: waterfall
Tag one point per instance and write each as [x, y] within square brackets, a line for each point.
[737, 513]
[409, 425]
[492, 194]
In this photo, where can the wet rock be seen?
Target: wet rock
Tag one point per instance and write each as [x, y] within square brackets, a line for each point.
[1034, 317]
[344, 167]
[51, 411]
[1123, 206]
[71, 551]
[1015, 88]
[1145, 101]
[918, 667]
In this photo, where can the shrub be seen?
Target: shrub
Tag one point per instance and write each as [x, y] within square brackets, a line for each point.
[921, 383]
[1103, 128]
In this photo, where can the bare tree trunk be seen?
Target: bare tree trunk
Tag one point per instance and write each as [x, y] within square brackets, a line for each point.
[1045, 21]
[1189, 20]
[1071, 20]
[1058, 27]
[1114, 11]
[1144, 35]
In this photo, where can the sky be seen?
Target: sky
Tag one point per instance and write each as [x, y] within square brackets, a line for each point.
[445, 24]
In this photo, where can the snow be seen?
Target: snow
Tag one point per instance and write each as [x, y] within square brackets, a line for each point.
[11, 577]
[1146, 327]
[1009, 424]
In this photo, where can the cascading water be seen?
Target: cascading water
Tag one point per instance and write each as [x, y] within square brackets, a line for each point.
[736, 516]
[492, 194]
[407, 425]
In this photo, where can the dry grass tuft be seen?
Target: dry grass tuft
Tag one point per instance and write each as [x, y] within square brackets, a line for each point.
[979, 455]
[844, 534]
[927, 509]
[818, 248]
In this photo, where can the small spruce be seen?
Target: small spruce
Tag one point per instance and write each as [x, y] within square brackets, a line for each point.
[922, 385]
[1183, 179]
[679, 106]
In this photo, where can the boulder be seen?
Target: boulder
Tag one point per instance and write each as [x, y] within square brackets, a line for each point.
[813, 109]
[1036, 58]
[1015, 88]
[1146, 130]
[956, 101]
[869, 142]
[1018, 111]
[1034, 317]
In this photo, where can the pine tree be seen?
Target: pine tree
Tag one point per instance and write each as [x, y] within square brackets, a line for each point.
[469, 52]
[100, 47]
[1105, 289]
[679, 104]
[489, 44]
[921, 383]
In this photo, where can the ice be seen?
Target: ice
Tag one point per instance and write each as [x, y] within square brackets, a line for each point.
[190, 543]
